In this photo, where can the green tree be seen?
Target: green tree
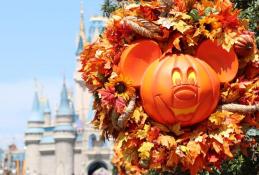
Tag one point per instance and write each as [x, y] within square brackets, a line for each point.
[108, 7]
[250, 11]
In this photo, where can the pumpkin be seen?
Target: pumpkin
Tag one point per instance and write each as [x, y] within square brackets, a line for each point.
[137, 57]
[174, 88]
[179, 88]
[224, 63]
[244, 46]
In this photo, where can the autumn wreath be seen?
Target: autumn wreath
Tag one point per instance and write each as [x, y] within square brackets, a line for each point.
[178, 27]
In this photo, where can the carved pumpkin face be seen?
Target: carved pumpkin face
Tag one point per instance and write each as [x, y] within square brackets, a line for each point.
[174, 88]
[189, 95]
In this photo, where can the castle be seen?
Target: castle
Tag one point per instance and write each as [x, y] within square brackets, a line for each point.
[67, 144]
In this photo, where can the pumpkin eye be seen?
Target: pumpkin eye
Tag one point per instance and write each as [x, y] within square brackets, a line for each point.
[176, 77]
[192, 77]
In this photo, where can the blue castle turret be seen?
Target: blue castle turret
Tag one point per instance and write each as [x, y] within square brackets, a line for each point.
[36, 113]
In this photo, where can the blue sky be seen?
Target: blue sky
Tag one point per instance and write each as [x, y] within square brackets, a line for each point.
[37, 40]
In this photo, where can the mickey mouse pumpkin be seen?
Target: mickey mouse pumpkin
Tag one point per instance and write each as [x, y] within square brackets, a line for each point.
[178, 88]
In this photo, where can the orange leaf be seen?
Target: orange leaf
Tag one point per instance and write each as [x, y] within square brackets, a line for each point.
[173, 160]
[217, 146]
[197, 166]
[227, 149]
[234, 119]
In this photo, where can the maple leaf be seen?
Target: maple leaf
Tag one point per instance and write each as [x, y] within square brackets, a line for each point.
[141, 134]
[167, 141]
[217, 118]
[153, 133]
[197, 166]
[194, 151]
[177, 24]
[227, 40]
[120, 104]
[107, 95]
[130, 154]
[145, 149]
[234, 119]
[217, 146]
[136, 115]
[181, 26]
[227, 149]
[173, 159]
[149, 13]
[120, 140]
[217, 137]
[139, 116]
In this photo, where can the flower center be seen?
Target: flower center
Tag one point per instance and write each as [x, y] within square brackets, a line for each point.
[208, 27]
[120, 87]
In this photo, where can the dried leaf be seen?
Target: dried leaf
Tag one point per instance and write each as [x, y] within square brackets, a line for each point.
[145, 149]
[141, 134]
[176, 129]
[173, 160]
[166, 141]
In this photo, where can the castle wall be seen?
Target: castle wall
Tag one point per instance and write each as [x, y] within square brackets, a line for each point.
[48, 163]
[78, 163]
[32, 159]
[64, 157]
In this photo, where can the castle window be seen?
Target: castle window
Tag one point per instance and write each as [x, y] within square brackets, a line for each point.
[92, 140]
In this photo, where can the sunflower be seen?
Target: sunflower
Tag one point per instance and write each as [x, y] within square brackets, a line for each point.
[123, 87]
[210, 27]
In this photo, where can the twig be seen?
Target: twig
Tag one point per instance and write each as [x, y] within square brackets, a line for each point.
[122, 120]
[240, 108]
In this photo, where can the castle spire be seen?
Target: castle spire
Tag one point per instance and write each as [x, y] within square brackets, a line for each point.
[36, 114]
[82, 36]
[64, 106]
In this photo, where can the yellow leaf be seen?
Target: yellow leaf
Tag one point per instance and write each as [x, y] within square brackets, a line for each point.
[181, 26]
[166, 141]
[194, 151]
[141, 134]
[145, 150]
[136, 115]
[229, 39]
[139, 116]
[217, 137]
[180, 15]
[120, 139]
[216, 146]
[217, 118]
[184, 149]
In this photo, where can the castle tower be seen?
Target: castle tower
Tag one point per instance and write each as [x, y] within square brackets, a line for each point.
[64, 135]
[47, 114]
[81, 93]
[33, 136]
[47, 143]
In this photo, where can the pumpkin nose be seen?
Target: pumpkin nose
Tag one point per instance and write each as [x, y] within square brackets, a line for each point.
[185, 94]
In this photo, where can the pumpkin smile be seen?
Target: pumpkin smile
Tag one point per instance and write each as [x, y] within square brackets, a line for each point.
[181, 114]
[183, 111]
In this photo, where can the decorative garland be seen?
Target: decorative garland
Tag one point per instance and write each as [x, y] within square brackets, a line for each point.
[142, 144]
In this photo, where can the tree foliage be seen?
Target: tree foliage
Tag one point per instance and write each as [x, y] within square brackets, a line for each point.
[250, 11]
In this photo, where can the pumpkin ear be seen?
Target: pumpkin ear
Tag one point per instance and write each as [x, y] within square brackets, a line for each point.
[137, 57]
[224, 63]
